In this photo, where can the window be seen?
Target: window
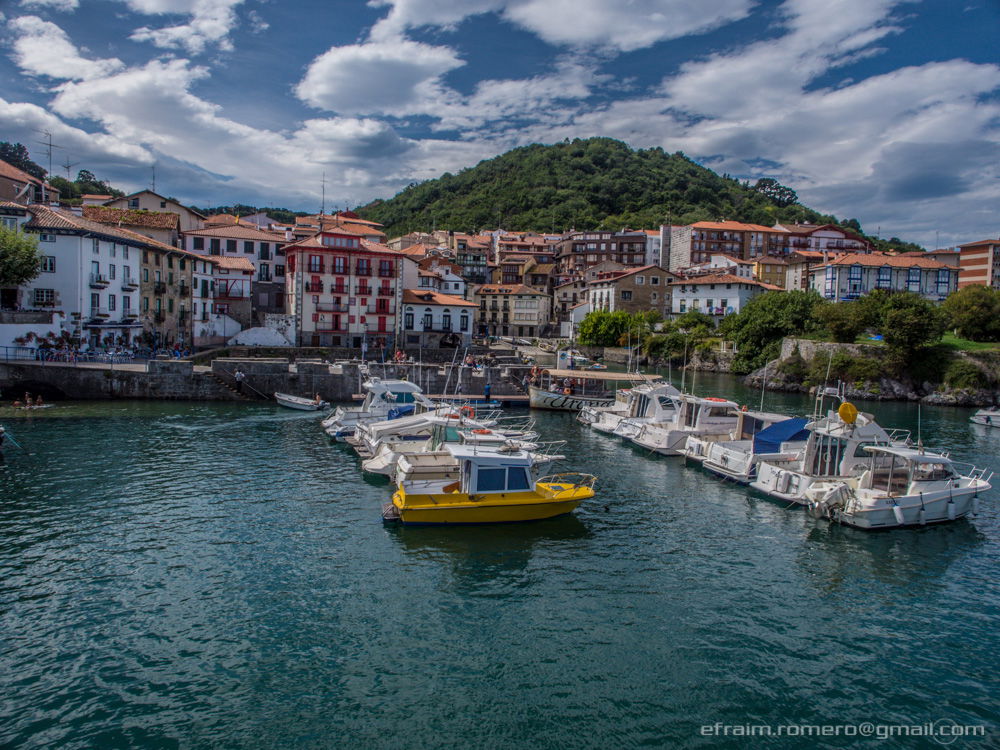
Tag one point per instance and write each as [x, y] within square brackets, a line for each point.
[265, 251]
[9, 222]
[446, 321]
[133, 203]
[156, 276]
[46, 238]
[95, 301]
[197, 243]
[113, 248]
[408, 321]
[145, 275]
[264, 272]
[170, 304]
[170, 261]
[517, 478]
[248, 247]
[125, 252]
[45, 296]
[163, 204]
[279, 270]
[111, 302]
[230, 246]
[640, 280]
[126, 303]
[97, 245]
[340, 265]
[170, 278]
[214, 246]
[181, 264]
[654, 280]
[48, 264]
[145, 304]
[491, 480]
[315, 264]
[111, 271]
[626, 294]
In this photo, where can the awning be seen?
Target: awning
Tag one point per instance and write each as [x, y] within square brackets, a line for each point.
[632, 377]
[769, 440]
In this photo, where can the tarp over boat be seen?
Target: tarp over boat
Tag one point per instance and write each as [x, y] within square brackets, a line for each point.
[769, 439]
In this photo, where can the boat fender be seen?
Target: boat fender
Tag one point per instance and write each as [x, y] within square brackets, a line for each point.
[898, 513]
[922, 517]
[714, 398]
[975, 505]
[951, 509]
[743, 408]
[480, 432]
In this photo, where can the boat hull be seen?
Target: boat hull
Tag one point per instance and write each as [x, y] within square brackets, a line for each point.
[542, 399]
[293, 402]
[507, 507]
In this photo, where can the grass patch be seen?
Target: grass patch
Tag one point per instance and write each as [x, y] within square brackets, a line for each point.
[957, 344]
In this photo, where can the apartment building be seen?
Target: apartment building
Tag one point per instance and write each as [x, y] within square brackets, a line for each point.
[979, 263]
[436, 320]
[634, 290]
[578, 251]
[147, 200]
[851, 276]
[716, 295]
[511, 310]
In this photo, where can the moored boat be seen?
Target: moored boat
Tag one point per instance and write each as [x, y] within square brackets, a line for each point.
[384, 399]
[494, 486]
[573, 390]
[692, 415]
[900, 487]
[302, 404]
[988, 417]
[760, 437]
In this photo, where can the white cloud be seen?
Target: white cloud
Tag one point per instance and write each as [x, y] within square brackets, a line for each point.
[390, 77]
[62, 5]
[207, 29]
[628, 25]
[42, 48]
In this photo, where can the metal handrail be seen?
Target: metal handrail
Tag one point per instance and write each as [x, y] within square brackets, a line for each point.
[259, 393]
[573, 478]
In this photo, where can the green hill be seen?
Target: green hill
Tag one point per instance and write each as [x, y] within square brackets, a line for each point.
[584, 184]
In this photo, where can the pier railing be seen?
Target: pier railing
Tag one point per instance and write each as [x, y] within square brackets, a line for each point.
[68, 357]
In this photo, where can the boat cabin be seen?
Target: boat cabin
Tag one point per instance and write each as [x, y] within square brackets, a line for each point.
[892, 470]
[492, 470]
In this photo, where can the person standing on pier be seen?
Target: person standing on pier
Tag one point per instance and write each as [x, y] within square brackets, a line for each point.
[239, 377]
[487, 390]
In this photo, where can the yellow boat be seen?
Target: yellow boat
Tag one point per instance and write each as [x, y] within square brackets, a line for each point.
[494, 486]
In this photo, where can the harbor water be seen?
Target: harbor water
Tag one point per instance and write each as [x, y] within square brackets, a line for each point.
[217, 575]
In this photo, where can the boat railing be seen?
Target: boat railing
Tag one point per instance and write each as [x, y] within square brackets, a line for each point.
[564, 481]
[899, 436]
[971, 471]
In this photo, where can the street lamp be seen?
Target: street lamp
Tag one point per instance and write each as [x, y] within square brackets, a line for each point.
[364, 342]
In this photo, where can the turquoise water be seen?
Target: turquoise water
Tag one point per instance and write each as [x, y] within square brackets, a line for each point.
[216, 575]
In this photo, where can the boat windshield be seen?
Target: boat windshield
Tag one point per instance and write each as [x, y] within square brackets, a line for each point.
[500, 479]
[397, 397]
[930, 472]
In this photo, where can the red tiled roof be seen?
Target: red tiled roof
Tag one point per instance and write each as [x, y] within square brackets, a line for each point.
[726, 278]
[735, 226]
[94, 196]
[222, 219]
[981, 242]
[132, 217]
[231, 262]
[237, 232]
[507, 289]
[875, 260]
[420, 297]
[13, 173]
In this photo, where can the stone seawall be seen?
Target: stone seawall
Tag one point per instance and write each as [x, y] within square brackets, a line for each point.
[180, 379]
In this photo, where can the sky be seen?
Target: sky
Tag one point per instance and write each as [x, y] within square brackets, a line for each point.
[887, 111]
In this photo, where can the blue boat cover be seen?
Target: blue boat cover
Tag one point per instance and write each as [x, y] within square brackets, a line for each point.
[400, 411]
[769, 439]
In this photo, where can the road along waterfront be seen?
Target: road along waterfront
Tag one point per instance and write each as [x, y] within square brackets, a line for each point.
[198, 574]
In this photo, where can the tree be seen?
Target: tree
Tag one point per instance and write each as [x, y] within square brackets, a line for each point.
[776, 192]
[909, 323]
[843, 320]
[759, 327]
[17, 155]
[974, 312]
[20, 260]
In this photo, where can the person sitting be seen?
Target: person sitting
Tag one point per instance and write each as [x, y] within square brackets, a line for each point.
[317, 399]
[38, 401]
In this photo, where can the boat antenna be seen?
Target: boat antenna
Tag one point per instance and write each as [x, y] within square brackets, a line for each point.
[763, 385]
[920, 440]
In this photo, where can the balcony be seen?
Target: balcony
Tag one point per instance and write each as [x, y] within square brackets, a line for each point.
[182, 316]
[233, 294]
[183, 289]
[98, 281]
[386, 273]
[362, 271]
[159, 316]
[386, 292]
[322, 327]
[314, 287]
[159, 287]
[364, 291]
[129, 314]
[320, 268]
[340, 290]
[129, 284]
[330, 307]
[97, 313]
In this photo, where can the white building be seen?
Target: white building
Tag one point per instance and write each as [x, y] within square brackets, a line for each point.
[718, 294]
[435, 320]
[89, 274]
[851, 276]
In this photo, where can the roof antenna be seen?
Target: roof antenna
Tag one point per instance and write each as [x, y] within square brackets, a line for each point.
[152, 185]
[322, 206]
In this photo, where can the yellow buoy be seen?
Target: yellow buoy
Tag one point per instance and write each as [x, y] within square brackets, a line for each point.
[848, 412]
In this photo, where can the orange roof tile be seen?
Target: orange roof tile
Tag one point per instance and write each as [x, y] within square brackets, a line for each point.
[507, 289]
[238, 232]
[231, 262]
[132, 217]
[432, 297]
[725, 278]
[875, 260]
[13, 173]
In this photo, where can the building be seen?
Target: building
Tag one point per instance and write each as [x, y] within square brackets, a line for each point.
[696, 243]
[720, 264]
[348, 221]
[162, 226]
[717, 295]
[798, 265]
[634, 290]
[979, 263]
[511, 310]
[18, 186]
[341, 289]
[771, 269]
[435, 320]
[165, 289]
[450, 274]
[147, 200]
[850, 276]
[828, 238]
[472, 254]
[567, 296]
[578, 251]
[265, 251]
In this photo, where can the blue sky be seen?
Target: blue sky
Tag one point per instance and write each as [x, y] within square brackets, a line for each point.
[882, 110]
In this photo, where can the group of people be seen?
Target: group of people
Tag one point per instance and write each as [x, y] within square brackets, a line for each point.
[27, 403]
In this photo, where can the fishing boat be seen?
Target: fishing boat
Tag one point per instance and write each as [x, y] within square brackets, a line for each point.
[573, 390]
[836, 449]
[302, 404]
[384, 399]
[494, 486]
[691, 415]
[988, 417]
[900, 487]
[759, 436]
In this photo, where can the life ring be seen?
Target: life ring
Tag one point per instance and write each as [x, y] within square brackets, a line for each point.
[714, 398]
[467, 411]
[743, 408]
[567, 391]
[481, 432]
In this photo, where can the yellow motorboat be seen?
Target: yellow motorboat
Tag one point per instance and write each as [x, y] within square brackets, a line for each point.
[495, 485]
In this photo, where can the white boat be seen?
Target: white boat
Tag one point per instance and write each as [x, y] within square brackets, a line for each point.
[758, 437]
[900, 487]
[692, 415]
[297, 402]
[573, 390]
[384, 399]
[835, 450]
[988, 417]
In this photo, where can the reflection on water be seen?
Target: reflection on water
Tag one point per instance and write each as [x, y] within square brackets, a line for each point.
[218, 575]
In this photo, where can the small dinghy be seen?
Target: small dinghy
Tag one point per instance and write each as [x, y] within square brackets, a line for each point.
[302, 404]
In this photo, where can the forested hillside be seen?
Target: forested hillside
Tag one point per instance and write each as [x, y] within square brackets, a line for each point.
[598, 182]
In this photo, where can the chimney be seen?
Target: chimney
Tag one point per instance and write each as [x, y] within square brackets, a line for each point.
[288, 235]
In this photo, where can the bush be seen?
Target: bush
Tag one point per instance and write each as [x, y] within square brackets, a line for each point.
[843, 320]
[844, 366]
[964, 374]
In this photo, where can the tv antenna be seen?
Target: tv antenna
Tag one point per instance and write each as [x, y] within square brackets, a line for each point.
[49, 145]
[67, 165]
[322, 182]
